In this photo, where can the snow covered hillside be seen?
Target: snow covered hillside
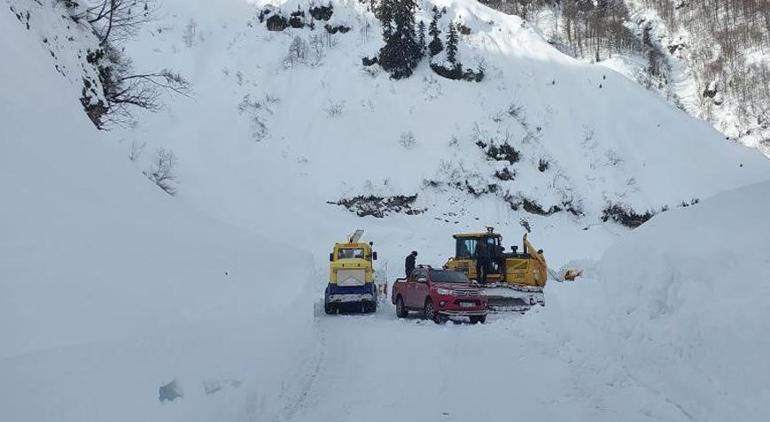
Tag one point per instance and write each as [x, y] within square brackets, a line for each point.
[121, 303]
[544, 141]
[265, 129]
[109, 289]
[716, 61]
[707, 57]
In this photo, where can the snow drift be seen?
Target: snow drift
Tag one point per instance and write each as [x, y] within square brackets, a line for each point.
[109, 289]
[687, 296]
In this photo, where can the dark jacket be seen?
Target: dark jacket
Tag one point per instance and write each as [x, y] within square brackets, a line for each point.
[482, 252]
[409, 264]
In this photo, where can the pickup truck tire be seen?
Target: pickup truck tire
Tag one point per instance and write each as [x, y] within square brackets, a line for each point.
[478, 319]
[401, 311]
[429, 312]
[329, 309]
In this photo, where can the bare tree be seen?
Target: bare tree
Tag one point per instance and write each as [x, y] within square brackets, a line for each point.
[115, 20]
[144, 91]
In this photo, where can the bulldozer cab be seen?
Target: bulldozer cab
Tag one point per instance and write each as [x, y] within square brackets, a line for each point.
[467, 248]
[467, 245]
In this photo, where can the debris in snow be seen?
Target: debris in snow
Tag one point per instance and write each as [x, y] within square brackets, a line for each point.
[170, 391]
[379, 207]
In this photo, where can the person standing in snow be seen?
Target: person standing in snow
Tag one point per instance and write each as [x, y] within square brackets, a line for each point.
[482, 262]
[409, 265]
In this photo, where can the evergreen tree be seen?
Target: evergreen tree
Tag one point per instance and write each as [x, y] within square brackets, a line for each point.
[401, 52]
[385, 14]
[451, 46]
[435, 45]
[421, 41]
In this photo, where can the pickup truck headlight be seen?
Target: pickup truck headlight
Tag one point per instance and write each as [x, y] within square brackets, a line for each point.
[445, 292]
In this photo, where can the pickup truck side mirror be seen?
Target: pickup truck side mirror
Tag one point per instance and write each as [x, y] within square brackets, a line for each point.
[374, 256]
[331, 257]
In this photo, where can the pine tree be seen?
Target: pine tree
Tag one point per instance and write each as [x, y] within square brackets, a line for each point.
[401, 52]
[421, 40]
[385, 14]
[435, 45]
[451, 46]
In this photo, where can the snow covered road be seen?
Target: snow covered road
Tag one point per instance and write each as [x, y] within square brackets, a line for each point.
[380, 368]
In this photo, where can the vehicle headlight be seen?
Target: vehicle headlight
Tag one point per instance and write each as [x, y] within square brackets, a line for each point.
[446, 292]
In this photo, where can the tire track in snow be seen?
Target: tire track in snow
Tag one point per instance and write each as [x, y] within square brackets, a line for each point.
[658, 393]
[300, 402]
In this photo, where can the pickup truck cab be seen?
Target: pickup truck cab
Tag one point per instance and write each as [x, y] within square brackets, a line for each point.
[438, 295]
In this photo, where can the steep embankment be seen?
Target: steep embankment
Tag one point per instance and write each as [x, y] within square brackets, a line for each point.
[110, 289]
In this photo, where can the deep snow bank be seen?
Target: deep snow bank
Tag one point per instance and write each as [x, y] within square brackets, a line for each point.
[689, 308]
[109, 288]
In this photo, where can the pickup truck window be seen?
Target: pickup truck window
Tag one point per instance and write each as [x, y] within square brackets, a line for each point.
[417, 274]
[441, 276]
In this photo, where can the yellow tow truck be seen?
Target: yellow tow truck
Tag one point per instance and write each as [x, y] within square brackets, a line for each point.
[351, 284]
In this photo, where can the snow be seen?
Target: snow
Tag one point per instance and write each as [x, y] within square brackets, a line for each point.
[687, 78]
[110, 289]
[332, 131]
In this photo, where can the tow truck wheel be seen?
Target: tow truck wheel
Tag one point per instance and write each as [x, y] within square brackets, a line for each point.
[430, 313]
[478, 319]
[370, 307]
[401, 311]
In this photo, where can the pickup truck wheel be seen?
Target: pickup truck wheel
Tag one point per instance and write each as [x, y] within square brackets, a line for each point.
[478, 319]
[401, 311]
[329, 308]
[430, 312]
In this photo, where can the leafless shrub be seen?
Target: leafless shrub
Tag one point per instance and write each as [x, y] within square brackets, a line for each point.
[162, 171]
[407, 140]
[189, 33]
[298, 51]
[256, 110]
[136, 150]
[335, 108]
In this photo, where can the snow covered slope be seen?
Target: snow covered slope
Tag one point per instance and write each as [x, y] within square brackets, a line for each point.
[110, 289]
[261, 133]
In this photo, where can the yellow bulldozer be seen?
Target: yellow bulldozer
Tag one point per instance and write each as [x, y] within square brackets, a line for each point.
[514, 278]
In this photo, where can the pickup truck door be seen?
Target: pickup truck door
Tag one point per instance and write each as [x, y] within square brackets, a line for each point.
[416, 290]
[421, 290]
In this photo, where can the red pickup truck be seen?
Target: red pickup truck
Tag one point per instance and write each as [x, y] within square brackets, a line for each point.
[439, 294]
